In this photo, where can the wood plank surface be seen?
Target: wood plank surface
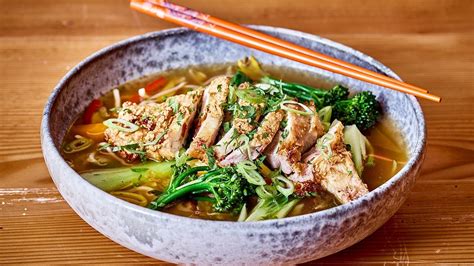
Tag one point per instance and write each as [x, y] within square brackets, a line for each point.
[429, 43]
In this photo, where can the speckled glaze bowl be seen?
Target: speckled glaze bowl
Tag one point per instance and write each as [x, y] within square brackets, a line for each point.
[185, 240]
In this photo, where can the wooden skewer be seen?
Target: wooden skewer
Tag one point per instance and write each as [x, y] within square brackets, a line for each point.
[271, 39]
[230, 35]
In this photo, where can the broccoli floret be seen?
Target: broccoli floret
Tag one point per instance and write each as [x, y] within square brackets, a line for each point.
[361, 110]
[227, 188]
[337, 93]
[321, 97]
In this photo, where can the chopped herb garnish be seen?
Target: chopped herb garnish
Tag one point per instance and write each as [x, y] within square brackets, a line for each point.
[226, 126]
[179, 119]
[251, 133]
[174, 105]
[103, 146]
[247, 112]
[211, 157]
[239, 78]
[132, 149]
[157, 139]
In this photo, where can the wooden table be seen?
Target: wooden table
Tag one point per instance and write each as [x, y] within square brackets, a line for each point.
[429, 43]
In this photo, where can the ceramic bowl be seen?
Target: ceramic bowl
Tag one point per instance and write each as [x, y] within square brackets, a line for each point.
[185, 240]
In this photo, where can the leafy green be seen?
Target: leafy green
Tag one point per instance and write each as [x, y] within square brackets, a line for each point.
[325, 115]
[272, 208]
[117, 178]
[354, 138]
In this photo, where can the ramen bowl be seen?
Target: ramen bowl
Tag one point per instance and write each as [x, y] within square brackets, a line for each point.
[186, 240]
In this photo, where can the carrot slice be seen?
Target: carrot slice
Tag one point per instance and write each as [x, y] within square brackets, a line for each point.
[91, 131]
[155, 85]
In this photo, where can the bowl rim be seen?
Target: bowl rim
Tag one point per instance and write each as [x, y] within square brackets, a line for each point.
[47, 140]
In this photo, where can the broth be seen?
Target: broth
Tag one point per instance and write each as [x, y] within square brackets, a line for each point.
[385, 138]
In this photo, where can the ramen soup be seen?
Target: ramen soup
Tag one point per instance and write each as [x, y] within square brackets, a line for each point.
[240, 143]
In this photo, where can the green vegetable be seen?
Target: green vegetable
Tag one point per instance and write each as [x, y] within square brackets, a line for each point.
[118, 178]
[228, 189]
[174, 105]
[226, 126]
[284, 185]
[361, 110]
[272, 208]
[243, 111]
[239, 78]
[251, 96]
[274, 96]
[266, 191]
[356, 141]
[211, 157]
[306, 93]
[125, 127]
[307, 111]
[243, 214]
[134, 148]
[249, 171]
[325, 115]
[77, 145]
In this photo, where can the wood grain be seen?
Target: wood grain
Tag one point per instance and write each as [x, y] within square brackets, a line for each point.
[429, 43]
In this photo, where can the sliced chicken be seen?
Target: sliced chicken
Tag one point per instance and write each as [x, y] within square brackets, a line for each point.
[211, 116]
[262, 138]
[330, 168]
[162, 128]
[286, 150]
[153, 119]
[316, 129]
[244, 121]
[178, 130]
[230, 141]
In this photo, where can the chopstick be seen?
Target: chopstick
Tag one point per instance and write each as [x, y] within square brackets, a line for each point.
[156, 9]
[268, 38]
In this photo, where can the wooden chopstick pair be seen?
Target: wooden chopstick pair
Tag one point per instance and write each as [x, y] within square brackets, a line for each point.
[235, 33]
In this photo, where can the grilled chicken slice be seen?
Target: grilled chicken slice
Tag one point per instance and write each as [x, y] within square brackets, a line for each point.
[262, 138]
[316, 129]
[153, 119]
[286, 150]
[162, 127]
[178, 130]
[330, 168]
[243, 121]
[211, 116]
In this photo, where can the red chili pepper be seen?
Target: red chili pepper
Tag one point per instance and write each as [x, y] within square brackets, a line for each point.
[135, 98]
[90, 110]
[155, 85]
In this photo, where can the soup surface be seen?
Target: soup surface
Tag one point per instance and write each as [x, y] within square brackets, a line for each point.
[387, 154]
